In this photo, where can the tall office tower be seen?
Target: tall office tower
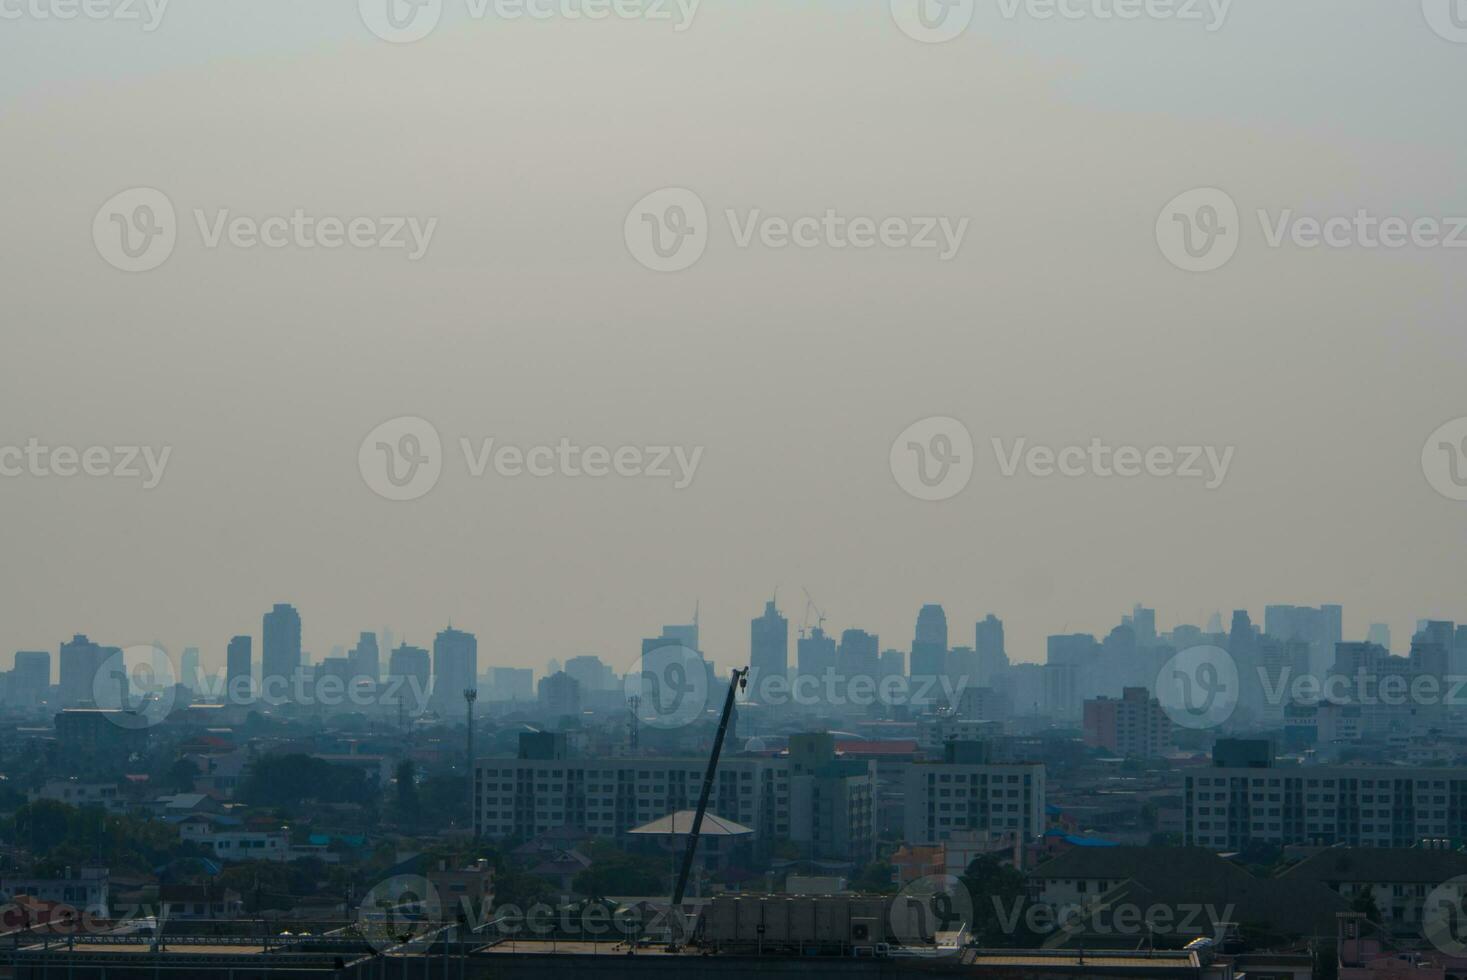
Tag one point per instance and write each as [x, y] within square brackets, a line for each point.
[239, 671]
[1143, 621]
[1321, 628]
[365, 659]
[30, 680]
[859, 655]
[455, 670]
[189, 674]
[1379, 634]
[1243, 647]
[685, 635]
[893, 664]
[559, 696]
[815, 653]
[408, 679]
[591, 673]
[988, 643]
[280, 650]
[769, 644]
[929, 645]
[81, 660]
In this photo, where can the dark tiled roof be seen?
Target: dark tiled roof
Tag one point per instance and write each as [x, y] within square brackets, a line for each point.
[1395, 865]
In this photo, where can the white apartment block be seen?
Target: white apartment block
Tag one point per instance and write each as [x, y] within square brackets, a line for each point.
[1361, 806]
[608, 797]
[945, 800]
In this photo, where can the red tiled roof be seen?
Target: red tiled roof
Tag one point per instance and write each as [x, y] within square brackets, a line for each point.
[900, 746]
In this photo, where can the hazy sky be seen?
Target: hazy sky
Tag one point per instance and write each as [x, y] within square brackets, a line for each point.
[528, 320]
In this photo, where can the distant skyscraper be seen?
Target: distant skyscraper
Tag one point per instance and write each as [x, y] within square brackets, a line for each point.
[455, 670]
[511, 684]
[1143, 621]
[815, 653]
[929, 646]
[365, 658]
[893, 664]
[189, 674]
[81, 660]
[591, 673]
[988, 642]
[859, 655]
[239, 669]
[280, 651]
[408, 677]
[1321, 628]
[30, 681]
[769, 643]
[560, 696]
[1379, 634]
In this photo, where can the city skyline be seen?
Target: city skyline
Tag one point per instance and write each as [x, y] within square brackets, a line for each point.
[960, 635]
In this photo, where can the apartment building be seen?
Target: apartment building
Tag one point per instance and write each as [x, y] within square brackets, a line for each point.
[822, 803]
[966, 793]
[1134, 725]
[1358, 806]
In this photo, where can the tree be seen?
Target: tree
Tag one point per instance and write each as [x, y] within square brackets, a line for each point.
[877, 877]
[408, 808]
[181, 776]
[999, 903]
[618, 874]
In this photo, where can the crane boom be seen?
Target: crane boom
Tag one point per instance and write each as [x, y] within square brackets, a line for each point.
[740, 677]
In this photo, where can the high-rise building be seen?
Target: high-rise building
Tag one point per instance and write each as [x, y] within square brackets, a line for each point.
[769, 644]
[591, 673]
[280, 649]
[81, 661]
[859, 655]
[988, 643]
[560, 696]
[1133, 726]
[365, 658]
[511, 684]
[929, 645]
[189, 673]
[455, 670]
[409, 672]
[239, 670]
[30, 680]
[815, 653]
[1321, 628]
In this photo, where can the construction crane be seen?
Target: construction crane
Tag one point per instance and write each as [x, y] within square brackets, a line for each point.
[820, 616]
[738, 682]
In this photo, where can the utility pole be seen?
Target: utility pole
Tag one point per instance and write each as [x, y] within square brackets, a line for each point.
[470, 696]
